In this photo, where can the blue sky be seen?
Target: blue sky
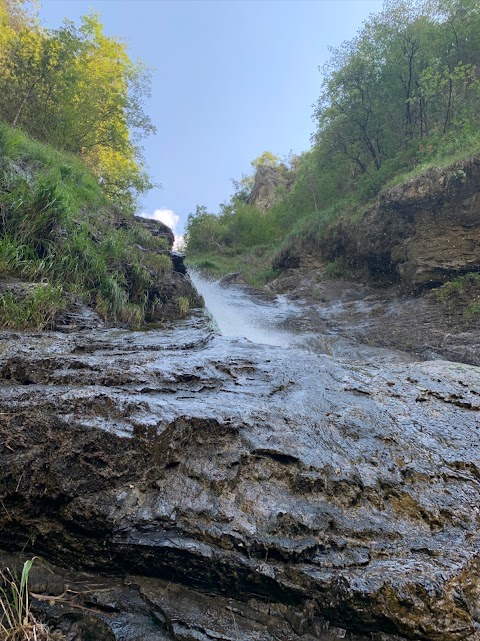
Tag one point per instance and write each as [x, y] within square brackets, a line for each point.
[231, 79]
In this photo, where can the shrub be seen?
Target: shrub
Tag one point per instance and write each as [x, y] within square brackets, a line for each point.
[56, 227]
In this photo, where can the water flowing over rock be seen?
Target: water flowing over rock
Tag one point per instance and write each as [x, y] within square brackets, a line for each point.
[242, 491]
[334, 311]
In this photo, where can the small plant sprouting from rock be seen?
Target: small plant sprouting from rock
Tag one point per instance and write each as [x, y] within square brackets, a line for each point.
[183, 304]
[459, 176]
[461, 293]
[17, 622]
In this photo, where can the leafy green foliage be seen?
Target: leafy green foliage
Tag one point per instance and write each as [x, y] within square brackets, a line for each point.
[71, 119]
[56, 228]
[255, 264]
[183, 304]
[37, 309]
[267, 158]
[408, 75]
[78, 90]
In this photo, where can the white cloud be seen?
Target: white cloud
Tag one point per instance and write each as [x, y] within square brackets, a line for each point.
[166, 216]
[179, 244]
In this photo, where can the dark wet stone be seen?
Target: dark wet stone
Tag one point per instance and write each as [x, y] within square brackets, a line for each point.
[177, 260]
[299, 495]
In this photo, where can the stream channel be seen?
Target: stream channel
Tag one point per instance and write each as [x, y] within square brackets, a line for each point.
[242, 312]
[234, 479]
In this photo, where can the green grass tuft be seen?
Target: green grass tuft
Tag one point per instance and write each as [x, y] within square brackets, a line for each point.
[36, 308]
[462, 294]
[17, 622]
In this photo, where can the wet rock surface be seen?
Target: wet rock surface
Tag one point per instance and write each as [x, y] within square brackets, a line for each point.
[379, 317]
[241, 491]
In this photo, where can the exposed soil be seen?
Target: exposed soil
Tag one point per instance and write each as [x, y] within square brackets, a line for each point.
[418, 234]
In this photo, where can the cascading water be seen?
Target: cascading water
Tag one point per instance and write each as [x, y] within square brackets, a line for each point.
[238, 313]
[235, 313]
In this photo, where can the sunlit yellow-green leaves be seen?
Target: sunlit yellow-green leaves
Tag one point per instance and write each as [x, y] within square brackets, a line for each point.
[77, 89]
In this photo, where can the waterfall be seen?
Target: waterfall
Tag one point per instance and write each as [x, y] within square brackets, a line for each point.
[238, 312]
[235, 313]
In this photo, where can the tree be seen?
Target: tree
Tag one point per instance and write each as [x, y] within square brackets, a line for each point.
[267, 159]
[78, 90]
[17, 13]
[203, 231]
[412, 72]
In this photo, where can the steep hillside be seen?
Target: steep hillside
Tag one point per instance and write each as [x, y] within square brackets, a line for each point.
[64, 245]
[420, 233]
[399, 105]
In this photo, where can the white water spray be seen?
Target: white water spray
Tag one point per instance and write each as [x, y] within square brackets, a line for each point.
[237, 314]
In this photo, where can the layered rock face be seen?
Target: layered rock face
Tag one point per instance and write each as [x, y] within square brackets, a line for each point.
[248, 492]
[264, 192]
[423, 232]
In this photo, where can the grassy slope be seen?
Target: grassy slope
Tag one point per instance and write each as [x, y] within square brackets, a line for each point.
[306, 234]
[254, 263]
[58, 231]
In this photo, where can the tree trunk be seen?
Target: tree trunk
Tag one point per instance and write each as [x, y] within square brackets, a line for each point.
[23, 103]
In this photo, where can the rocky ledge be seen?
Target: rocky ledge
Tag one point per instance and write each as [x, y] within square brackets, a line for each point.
[384, 317]
[226, 490]
[420, 233]
[424, 232]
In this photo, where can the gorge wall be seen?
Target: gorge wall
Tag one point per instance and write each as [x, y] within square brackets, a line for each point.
[424, 232]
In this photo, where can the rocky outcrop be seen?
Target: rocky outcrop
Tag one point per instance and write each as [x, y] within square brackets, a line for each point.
[422, 232]
[157, 229]
[264, 193]
[178, 262]
[172, 295]
[173, 298]
[344, 317]
[236, 486]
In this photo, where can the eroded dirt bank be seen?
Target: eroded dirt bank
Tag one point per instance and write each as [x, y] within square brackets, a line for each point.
[419, 234]
[240, 491]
